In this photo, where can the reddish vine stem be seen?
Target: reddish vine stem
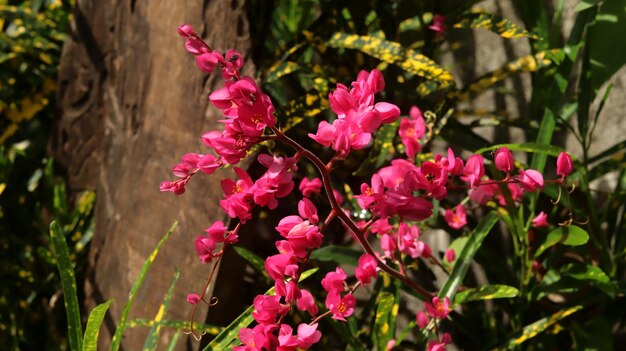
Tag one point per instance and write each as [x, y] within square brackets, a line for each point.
[321, 167]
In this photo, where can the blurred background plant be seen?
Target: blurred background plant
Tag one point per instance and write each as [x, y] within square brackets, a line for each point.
[31, 191]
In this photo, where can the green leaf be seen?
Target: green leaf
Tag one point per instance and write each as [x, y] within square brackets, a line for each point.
[153, 335]
[414, 23]
[384, 309]
[494, 23]
[546, 129]
[68, 282]
[529, 63]
[172, 345]
[225, 339]
[570, 235]
[90, 341]
[607, 53]
[591, 274]
[485, 292]
[340, 254]
[252, 258]
[534, 329]
[464, 258]
[280, 69]
[586, 4]
[527, 147]
[457, 245]
[117, 337]
[180, 325]
[295, 111]
[393, 53]
[382, 149]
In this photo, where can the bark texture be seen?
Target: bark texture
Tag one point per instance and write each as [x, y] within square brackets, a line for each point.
[132, 102]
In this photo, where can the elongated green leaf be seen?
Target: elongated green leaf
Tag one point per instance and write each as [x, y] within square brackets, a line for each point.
[339, 254]
[382, 150]
[280, 69]
[252, 258]
[546, 129]
[385, 303]
[570, 235]
[464, 258]
[180, 325]
[295, 111]
[228, 336]
[485, 292]
[457, 245]
[393, 53]
[534, 329]
[68, 282]
[414, 23]
[527, 147]
[494, 23]
[172, 345]
[119, 331]
[591, 274]
[90, 341]
[153, 335]
[529, 63]
[617, 151]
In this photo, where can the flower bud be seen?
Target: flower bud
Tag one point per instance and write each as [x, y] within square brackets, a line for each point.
[193, 299]
[564, 164]
[504, 160]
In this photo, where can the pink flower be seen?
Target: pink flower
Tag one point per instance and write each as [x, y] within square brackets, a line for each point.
[438, 25]
[432, 177]
[207, 61]
[438, 308]
[306, 302]
[267, 308]
[410, 243]
[564, 164]
[285, 224]
[456, 219]
[541, 220]
[450, 255]
[422, 320]
[304, 236]
[474, 170]
[310, 187]
[411, 131]
[290, 290]
[237, 201]
[281, 265]
[204, 248]
[503, 159]
[308, 335]
[232, 63]
[366, 269]
[340, 307]
[193, 298]
[452, 164]
[530, 180]
[333, 282]
[307, 209]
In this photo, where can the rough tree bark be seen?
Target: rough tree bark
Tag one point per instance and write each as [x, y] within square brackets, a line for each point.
[132, 103]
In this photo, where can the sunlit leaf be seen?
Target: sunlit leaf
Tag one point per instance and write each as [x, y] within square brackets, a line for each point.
[485, 292]
[534, 329]
[94, 322]
[68, 282]
[494, 23]
[393, 53]
[570, 235]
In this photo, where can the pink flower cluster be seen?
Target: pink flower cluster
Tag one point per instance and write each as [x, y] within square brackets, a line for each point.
[397, 195]
[357, 115]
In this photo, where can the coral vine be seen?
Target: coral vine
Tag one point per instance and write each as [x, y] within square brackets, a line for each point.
[397, 197]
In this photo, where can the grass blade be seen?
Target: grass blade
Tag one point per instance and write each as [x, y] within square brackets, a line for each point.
[117, 338]
[92, 330]
[467, 254]
[68, 282]
[153, 335]
[534, 329]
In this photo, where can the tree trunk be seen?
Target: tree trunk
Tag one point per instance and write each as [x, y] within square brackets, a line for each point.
[132, 102]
